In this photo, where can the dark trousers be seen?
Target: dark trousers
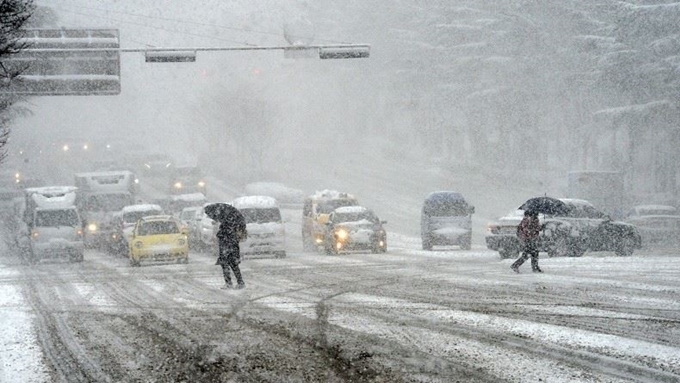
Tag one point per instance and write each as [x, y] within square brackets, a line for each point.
[227, 275]
[530, 249]
[229, 259]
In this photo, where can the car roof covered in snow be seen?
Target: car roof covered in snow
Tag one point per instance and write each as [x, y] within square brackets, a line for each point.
[52, 190]
[444, 194]
[53, 196]
[158, 218]
[255, 201]
[350, 209]
[656, 209]
[190, 197]
[330, 194]
[576, 202]
[141, 207]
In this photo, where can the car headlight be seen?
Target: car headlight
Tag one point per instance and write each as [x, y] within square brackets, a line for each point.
[178, 185]
[201, 184]
[92, 227]
[342, 234]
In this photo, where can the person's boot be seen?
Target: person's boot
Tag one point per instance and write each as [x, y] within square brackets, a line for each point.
[227, 286]
[515, 267]
[536, 269]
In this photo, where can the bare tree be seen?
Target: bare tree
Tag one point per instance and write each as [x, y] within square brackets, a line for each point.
[14, 14]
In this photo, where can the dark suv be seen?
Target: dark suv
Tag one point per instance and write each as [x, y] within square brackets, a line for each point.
[572, 232]
[445, 220]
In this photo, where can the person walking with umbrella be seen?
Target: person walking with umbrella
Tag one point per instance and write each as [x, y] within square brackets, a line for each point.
[528, 233]
[232, 230]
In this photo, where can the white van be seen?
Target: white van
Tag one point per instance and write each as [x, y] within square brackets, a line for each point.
[54, 223]
[266, 233]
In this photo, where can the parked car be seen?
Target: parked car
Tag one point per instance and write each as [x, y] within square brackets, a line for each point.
[445, 220]
[158, 238]
[266, 233]
[659, 225]
[575, 229]
[354, 228]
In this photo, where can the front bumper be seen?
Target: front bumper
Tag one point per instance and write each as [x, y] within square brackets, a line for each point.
[502, 242]
[158, 254]
[59, 249]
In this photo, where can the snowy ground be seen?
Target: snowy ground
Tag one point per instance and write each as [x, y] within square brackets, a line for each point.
[407, 315]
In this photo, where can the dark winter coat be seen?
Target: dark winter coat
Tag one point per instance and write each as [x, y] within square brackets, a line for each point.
[231, 231]
[529, 229]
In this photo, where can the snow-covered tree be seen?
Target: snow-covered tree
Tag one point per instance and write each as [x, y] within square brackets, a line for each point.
[14, 14]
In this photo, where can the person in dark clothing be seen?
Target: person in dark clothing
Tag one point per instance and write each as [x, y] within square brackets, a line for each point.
[232, 230]
[528, 233]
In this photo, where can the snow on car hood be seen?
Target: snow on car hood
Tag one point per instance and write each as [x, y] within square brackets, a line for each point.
[356, 225]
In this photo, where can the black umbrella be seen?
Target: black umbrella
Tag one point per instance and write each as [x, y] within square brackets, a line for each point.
[219, 211]
[545, 205]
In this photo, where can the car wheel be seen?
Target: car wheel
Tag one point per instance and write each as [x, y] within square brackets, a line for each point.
[559, 247]
[466, 244]
[505, 253]
[134, 263]
[625, 248]
[307, 244]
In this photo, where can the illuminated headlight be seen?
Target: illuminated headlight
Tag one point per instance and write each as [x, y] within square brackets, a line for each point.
[138, 245]
[319, 240]
[338, 245]
[35, 234]
[201, 184]
[147, 166]
[136, 180]
[342, 234]
[381, 243]
[181, 242]
[92, 227]
[178, 185]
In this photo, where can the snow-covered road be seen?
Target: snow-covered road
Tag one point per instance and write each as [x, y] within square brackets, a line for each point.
[407, 315]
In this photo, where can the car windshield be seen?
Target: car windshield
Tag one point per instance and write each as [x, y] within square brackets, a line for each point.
[445, 208]
[584, 211]
[355, 217]
[187, 172]
[134, 216]
[157, 227]
[51, 218]
[188, 214]
[107, 202]
[261, 215]
[659, 211]
[327, 207]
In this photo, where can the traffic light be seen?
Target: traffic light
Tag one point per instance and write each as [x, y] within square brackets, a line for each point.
[170, 56]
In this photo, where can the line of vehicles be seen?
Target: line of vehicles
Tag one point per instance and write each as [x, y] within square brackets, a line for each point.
[103, 210]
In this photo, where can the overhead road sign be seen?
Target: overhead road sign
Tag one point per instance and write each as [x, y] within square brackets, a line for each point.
[66, 62]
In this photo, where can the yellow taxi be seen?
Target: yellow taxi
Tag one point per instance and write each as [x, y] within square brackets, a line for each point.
[159, 238]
